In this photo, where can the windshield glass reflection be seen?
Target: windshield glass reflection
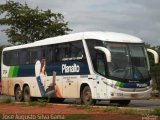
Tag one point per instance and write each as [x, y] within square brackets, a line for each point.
[128, 62]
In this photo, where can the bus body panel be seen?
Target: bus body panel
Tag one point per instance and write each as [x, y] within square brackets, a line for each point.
[71, 72]
[10, 83]
[116, 94]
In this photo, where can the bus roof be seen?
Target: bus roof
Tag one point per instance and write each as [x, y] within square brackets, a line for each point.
[105, 36]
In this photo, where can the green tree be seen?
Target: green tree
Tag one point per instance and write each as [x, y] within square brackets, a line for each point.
[27, 25]
[155, 68]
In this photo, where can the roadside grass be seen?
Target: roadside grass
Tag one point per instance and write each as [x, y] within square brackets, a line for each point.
[155, 111]
[77, 116]
[40, 102]
[126, 111]
[131, 111]
[7, 99]
[111, 109]
[89, 108]
[118, 110]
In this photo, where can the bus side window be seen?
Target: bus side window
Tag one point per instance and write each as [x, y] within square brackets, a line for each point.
[35, 54]
[97, 57]
[100, 63]
[56, 54]
[24, 57]
[14, 57]
[11, 58]
[49, 55]
[77, 49]
[61, 51]
[6, 59]
[43, 52]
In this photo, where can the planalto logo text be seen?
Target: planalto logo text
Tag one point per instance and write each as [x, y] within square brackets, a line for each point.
[70, 69]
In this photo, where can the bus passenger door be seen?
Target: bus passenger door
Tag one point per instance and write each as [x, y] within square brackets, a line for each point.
[70, 87]
[100, 65]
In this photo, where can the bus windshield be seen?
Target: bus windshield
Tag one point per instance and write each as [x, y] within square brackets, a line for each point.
[129, 62]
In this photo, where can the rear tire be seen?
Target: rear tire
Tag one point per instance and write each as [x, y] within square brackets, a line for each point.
[86, 96]
[26, 94]
[18, 94]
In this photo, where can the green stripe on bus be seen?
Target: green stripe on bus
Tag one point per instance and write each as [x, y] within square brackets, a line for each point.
[119, 84]
[13, 71]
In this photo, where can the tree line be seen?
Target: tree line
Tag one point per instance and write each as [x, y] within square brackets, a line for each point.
[155, 68]
[26, 25]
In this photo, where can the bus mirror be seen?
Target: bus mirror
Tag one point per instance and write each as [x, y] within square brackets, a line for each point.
[156, 57]
[106, 51]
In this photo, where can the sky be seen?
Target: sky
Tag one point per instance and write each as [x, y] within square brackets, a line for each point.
[140, 18]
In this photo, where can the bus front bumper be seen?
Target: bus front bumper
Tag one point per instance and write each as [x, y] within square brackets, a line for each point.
[116, 94]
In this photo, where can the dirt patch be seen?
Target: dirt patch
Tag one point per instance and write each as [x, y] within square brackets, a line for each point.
[36, 109]
[63, 109]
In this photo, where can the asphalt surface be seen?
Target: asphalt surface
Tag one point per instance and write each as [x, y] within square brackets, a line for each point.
[140, 104]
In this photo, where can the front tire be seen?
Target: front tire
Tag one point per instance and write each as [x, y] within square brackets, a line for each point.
[18, 94]
[26, 94]
[86, 96]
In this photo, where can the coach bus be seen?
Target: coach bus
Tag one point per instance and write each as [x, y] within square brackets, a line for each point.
[90, 65]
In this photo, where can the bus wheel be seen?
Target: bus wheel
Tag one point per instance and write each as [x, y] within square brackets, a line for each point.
[18, 94]
[86, 96]
[26, 94]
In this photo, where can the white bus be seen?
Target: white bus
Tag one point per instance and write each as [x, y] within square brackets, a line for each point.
[89, 65]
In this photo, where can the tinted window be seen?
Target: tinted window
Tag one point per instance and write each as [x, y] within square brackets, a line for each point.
[97, 57]
[65, 51]
[11, 57]
[35, 54]
[24, 56]
[50, 54]
[77, 49]
[5, 56]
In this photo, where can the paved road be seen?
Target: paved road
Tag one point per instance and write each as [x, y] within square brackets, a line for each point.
[148, 104]
[142, 104]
